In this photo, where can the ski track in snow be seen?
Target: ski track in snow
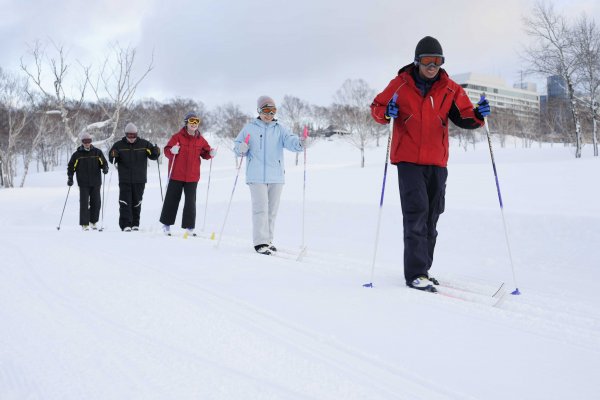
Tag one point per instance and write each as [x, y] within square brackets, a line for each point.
[380, 380]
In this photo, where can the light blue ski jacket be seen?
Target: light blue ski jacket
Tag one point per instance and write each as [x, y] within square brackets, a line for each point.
[264, 161]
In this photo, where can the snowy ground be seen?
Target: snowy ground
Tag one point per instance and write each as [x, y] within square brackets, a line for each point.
[114, 315]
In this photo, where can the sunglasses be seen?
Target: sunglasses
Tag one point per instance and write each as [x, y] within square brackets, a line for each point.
[268, 110]
[427, 60]
[86, 141]
[194, 121]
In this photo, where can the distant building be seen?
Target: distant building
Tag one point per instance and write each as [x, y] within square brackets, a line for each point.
[556, 87]
[523, 102]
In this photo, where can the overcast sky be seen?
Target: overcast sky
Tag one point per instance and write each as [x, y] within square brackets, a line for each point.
[219, 51]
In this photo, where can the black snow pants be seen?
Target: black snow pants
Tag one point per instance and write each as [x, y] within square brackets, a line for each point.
[130, 204]
[89, 204]
[422, 194]
[171, 204]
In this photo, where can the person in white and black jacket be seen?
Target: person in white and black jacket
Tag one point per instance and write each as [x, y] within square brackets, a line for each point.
[86, 163]
[130, 155]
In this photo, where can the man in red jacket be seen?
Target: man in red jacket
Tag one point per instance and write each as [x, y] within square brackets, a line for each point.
[420, 100]
[184, 150]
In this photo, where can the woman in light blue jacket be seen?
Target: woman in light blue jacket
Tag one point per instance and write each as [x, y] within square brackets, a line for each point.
[265, 169]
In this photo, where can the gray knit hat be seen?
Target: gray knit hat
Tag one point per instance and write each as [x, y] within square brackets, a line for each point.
[131, 128]
[264, 101]
[84, 135]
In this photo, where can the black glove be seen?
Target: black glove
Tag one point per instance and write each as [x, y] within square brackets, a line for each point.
[70, 181]
[105, 170]
[392, 108]
[156, 150]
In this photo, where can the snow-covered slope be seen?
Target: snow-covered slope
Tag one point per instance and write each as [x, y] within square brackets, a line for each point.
[114, 315]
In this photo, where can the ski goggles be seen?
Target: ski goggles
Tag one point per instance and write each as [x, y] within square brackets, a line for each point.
[193, 121]
[268, 110]
[86, 141]
[428, 60]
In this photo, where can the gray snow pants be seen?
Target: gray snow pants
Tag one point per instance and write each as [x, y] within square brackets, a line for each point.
[265, 203]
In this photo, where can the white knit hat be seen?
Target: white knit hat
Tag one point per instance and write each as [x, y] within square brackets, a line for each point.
[131, 128]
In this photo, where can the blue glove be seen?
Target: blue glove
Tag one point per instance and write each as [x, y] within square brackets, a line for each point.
[392, 108]
[483, 107]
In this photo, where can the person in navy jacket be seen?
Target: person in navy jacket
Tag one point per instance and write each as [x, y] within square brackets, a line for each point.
[265, 169]
[86, 164]
[131, 155]
[421, 99]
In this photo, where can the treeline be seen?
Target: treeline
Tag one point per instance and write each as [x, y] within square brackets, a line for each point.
[42, 115]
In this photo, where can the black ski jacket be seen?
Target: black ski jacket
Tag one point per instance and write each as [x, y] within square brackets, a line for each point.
[131, 159]
[87, 164]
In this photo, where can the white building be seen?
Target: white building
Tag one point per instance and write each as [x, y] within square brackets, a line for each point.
[524, 102]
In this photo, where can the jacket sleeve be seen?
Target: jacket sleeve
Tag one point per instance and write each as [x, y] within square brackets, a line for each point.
[205, 150]
[112, 152]
[71, 165]
[172, 142]
[153, 151]
[239, 139]
[462, 113]
[102, 161]
[290, 141]
[381, 101]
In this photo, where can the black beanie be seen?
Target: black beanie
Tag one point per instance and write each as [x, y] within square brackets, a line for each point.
[428, 45]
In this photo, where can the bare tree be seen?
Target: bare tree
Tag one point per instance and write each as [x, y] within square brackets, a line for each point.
[115, 86]
[228, 121]
[294, 113]
[53, 89]
[587, 41]
[553, 53]
[351, 112]
[13, 101]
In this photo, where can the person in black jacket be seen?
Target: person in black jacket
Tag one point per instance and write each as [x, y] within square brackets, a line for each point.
[130, 155]
[86, 163]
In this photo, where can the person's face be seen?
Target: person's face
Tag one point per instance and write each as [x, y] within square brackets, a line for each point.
[429, 66]
[267, 113]
[192, 124]
[131, 137]
[87, 143]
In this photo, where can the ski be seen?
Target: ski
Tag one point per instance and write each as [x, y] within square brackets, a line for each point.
[494, 299]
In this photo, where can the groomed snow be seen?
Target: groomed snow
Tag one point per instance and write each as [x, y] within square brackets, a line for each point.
[114, 315]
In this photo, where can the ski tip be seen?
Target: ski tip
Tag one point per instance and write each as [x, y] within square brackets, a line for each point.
[370, 285]
[58, 228]
[515, 292]
[212, 236]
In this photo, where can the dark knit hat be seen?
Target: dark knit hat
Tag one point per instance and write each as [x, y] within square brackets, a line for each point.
[428, 45]
[190, 115]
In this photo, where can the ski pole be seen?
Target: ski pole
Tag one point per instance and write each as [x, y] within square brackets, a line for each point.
[487, 131]
[173, 163]
[107, 192]
[232, 191]
[102, 218]
[160, 182]
[387, 156]
[207, 189]
[303, 246]
[63, 211]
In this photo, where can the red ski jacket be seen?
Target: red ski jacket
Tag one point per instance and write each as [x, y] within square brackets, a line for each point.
[420, 133]
[185, 166]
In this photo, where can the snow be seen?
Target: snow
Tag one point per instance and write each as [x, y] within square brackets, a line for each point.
[114, 315]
